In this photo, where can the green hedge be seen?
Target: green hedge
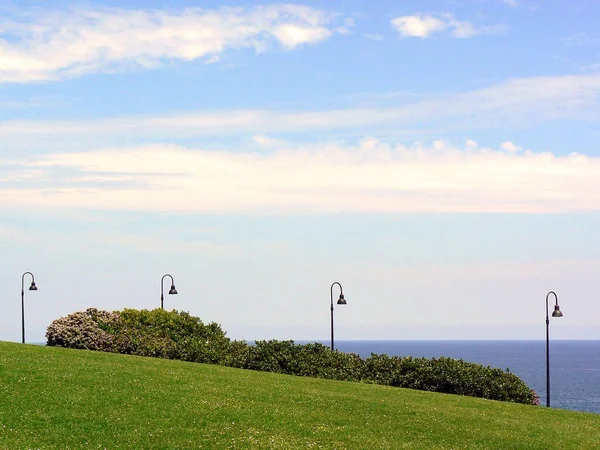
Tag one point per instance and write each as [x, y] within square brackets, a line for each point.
[177, 335]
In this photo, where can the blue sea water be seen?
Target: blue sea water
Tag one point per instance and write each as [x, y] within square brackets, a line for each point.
[574, 365]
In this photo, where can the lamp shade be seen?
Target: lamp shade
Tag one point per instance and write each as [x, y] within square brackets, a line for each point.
[557, 312]
[341, 300]
[173, 290]
[33, 287]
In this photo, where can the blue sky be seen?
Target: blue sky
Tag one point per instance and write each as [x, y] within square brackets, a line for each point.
[440, 159]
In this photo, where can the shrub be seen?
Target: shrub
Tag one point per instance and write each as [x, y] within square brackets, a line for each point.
[86, 330]
[237, 355]
[157, 333]
[445, 375]
[318, 360]
[311, 360]
[174, 335]
[455, 376]
[178, 335]
[273, 356]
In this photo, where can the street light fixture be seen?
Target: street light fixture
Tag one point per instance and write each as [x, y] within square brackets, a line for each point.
[341, 301]
[556, 313]
[32, 287]
[162, 290]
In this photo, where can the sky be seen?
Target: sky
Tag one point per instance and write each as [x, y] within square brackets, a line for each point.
[438, 158]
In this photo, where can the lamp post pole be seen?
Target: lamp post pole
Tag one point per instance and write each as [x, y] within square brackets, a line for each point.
[341, 301]
[32, 287]
[556, 313]
[171, 291]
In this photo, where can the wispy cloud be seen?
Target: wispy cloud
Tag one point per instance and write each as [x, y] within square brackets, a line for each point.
[40, 45]
[425, 25]
[13, 234]
[511, 3]
[21, 104]
[520, 102]
[582, 39]
[370, 176]
[373, 36]
[157, 244]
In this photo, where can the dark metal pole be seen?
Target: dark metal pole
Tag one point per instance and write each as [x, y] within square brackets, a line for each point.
[341, 291]
[556, 313]
[547, 356]
[162, 295]
[332, 325]
[23, 303]
[22, 315]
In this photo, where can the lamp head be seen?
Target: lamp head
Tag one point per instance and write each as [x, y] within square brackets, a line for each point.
[341, 300]
[173, 290]
[557, 312]
[33, 287]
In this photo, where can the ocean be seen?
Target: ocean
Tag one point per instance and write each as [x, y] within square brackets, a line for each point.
[574, 365]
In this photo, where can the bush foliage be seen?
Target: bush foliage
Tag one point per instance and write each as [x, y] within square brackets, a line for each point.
[158, 333]
[178, 335]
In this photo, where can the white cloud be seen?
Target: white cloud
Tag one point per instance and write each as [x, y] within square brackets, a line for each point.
[470, 144]
[58, 44]
[418, 25]
[510, 147]
[267, 141]
[291, 36]
[511, 3]
[519, 102]
[425, 25]
[370, 177]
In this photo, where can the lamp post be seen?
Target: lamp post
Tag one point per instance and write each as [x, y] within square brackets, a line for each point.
[341, 301]
[555, 313]
[162, 290]
[32, 287]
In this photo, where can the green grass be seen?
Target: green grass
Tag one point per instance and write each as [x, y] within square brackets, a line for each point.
[54, 398]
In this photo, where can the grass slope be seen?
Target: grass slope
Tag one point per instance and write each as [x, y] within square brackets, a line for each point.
[70, 399]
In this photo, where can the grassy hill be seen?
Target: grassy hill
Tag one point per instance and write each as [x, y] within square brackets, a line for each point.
[52, 398]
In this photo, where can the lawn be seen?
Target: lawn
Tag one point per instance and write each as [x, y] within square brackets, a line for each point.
[52, 398]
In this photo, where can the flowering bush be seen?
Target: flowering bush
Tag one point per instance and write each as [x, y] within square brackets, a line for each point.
[84, 330]
[157, 333]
